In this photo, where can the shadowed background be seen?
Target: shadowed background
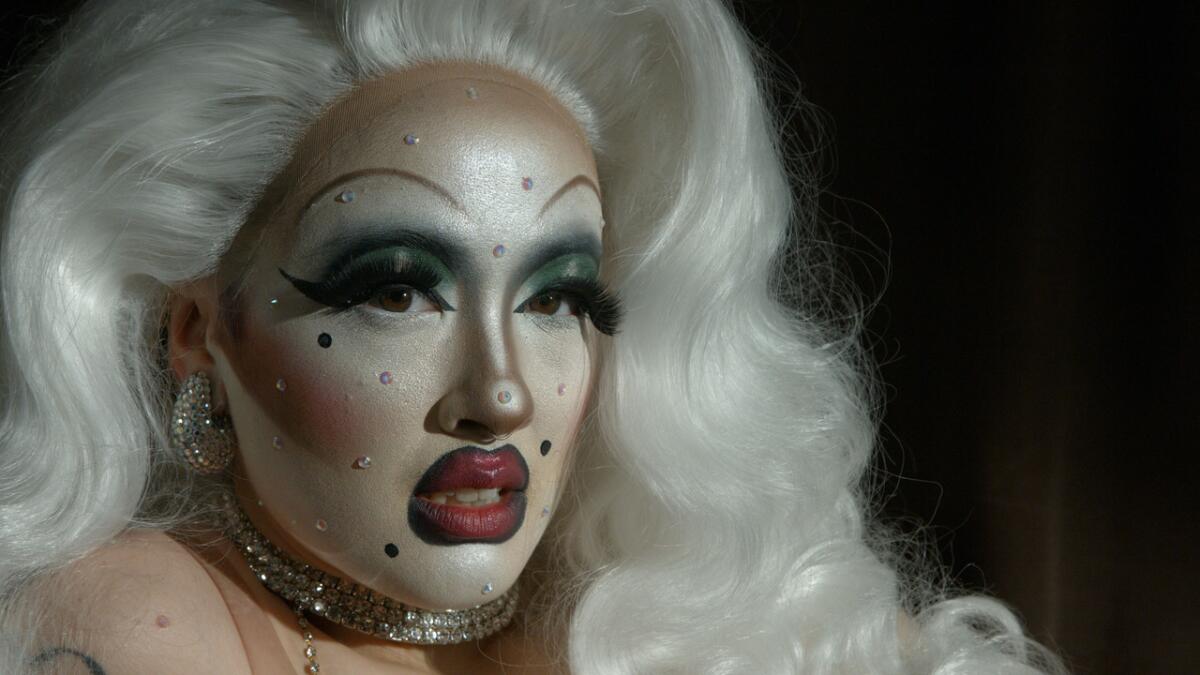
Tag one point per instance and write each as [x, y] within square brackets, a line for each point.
[1030, 167]
[1026, 169]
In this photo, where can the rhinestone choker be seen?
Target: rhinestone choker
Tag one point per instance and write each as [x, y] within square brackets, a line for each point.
[355, 606]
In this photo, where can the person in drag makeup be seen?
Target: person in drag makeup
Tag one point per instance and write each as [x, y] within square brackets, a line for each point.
[414, 336]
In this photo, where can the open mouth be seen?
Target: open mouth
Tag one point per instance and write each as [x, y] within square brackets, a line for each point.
[470, 495]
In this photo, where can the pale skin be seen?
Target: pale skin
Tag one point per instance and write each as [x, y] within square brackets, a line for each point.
[469, 156]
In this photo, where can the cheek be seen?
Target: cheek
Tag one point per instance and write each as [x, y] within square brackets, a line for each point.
[331, 391]
[559, 378]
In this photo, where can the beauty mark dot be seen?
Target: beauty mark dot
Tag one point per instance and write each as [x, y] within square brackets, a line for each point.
[391, 550]
[280, 384]
[562, 389]
[545, 448]
[277, 442]
[411, 140]
[545, 511]
[487, 588]
[344, 197]
[322, 525]
[504, 397]
[363, 462]
[527, 183]
[162, 621]
[499, 251]
[385, 377]
[324, 339]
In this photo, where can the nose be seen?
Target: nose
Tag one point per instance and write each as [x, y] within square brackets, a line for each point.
[490, 400]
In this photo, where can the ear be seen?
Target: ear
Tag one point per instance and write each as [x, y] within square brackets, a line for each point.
[191, 313]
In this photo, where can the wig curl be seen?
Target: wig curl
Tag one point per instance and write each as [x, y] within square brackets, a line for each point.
[715, 522]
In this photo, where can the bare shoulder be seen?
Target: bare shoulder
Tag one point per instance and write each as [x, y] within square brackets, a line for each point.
[143, 603]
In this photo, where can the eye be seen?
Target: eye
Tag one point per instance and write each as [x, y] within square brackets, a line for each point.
[553, 304]
[402, 299]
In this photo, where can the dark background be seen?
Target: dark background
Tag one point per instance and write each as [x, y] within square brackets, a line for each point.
[1031, 168]
[1013, 181]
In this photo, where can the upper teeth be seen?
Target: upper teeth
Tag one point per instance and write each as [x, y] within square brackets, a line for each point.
[467, 496]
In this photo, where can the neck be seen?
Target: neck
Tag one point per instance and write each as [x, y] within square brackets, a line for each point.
[347, 604]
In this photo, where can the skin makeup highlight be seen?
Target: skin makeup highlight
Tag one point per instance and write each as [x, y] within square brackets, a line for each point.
[433, 318]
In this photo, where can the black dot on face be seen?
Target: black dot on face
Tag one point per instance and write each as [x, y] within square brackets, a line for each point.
[391, 550]
[324, 340]
[545, 448]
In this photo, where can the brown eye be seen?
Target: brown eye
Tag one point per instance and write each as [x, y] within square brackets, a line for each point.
[395, 299]
[552, 304]
[546, 303]
[403, 300]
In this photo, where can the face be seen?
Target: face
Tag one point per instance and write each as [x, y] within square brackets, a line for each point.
[408, 359]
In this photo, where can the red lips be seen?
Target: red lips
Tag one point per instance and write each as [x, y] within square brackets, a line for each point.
[474, 468]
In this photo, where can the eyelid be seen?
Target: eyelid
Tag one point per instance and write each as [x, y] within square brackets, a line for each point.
[360, 280]
[562, 285]
[596, 301]
[431, 296]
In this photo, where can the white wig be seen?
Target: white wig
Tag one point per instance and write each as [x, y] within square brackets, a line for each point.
[716, 515]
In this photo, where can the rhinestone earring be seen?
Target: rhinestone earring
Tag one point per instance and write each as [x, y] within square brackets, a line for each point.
[206, 441]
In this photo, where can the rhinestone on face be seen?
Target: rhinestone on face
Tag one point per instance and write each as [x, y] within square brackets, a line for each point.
[499, 251]
[280, 384]
[487, 588]
[504, 397]
[562, 389]
[472, 93]
[274, 302]
[344, 197]
[545, 511]
[385, 377]
[363, 462]
[277, 442]
[410, 139]
[527, 183]
[322, 525]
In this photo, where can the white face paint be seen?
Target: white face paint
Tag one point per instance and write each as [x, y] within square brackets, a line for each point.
[397, 309]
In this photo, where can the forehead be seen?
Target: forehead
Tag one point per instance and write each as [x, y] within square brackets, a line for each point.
[472, 143]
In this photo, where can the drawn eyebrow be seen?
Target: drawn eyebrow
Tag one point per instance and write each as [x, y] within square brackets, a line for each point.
[417, 178]
[567, 187]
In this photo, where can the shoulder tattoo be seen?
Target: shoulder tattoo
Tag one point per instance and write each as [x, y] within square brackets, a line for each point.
[55, 653]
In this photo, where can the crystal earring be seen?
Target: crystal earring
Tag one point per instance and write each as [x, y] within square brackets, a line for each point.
[206, 441]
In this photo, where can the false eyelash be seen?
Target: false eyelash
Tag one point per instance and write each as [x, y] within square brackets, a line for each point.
[600, 305]
[357, 283]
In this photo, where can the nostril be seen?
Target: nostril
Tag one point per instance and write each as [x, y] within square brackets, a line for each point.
[473, 429]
